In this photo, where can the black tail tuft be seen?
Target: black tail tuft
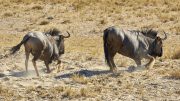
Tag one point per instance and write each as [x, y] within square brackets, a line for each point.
[17, 47]
[105, 36]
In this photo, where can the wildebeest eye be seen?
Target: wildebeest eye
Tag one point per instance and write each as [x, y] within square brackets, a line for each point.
[61, 37]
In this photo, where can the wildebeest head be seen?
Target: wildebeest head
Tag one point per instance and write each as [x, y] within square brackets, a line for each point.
[59, 38]
[60, 43]
[157, 49]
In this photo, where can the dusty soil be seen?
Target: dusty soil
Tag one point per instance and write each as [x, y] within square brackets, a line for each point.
[84, 74]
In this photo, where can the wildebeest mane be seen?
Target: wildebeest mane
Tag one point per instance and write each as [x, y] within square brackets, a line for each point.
[53, 32]
[147, 32]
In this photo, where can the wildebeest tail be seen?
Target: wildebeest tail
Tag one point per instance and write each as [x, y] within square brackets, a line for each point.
[105, 36]
[17, 47]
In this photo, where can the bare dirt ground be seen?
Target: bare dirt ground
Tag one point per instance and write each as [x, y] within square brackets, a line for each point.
[84, 74]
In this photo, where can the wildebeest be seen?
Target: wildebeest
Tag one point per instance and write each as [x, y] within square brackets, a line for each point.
[134, 44]
[46, 46]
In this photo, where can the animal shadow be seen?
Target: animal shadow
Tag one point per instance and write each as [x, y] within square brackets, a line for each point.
[30, 73]
[86, 73]
[131, 69]
[136, 69]
[14, 74]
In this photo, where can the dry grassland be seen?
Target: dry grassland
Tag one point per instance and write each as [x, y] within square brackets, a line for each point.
[84, 75]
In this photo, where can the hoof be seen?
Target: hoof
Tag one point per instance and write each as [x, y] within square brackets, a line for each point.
[141, 68]
[114, 70]
[131, 69]
[48, 71]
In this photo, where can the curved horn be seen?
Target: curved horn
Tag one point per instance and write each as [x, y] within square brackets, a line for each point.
[68, 35]
[165, 36]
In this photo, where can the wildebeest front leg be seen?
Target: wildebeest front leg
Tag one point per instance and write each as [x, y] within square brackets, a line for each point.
[138, 62]
[47, 66]
[59, 65]
[151, 62]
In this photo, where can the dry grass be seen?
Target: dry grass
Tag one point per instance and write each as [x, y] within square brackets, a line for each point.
[6, 93]
[85, 44]
[172, 51]
[9, 40]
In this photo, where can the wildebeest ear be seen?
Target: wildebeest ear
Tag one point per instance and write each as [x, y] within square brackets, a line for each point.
[149, 32]
[61, 36]
[152, 33]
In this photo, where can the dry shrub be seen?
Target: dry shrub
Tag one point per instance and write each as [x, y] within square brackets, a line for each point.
[103, 22]
[70, 93]
[86, 92]
[37, 7]
[8, 14]
[178, 92]
[79, 78]
[173, 54]
[43, 22]
[175, 74]
[176, 55]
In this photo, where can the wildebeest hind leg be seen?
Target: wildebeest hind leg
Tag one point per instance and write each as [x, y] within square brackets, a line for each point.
[26, 61]
[112, 64]
[59, 65]
[34, 63]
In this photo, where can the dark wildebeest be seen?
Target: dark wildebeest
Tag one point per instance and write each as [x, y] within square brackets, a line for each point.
[46, 46]
[133, 44]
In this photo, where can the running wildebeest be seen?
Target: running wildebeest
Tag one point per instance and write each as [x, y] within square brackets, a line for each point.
[133, 44]
[46, 46]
